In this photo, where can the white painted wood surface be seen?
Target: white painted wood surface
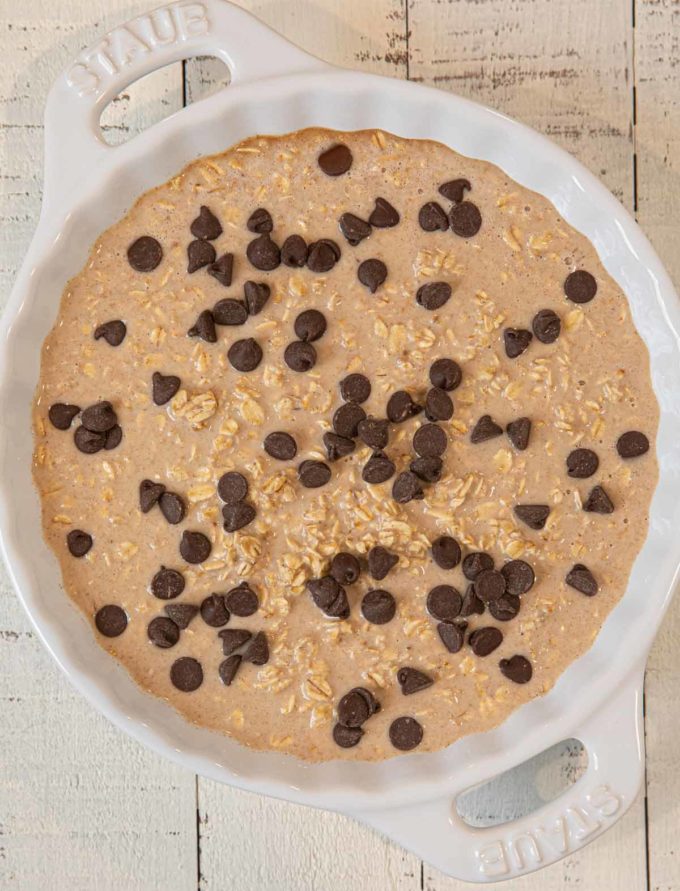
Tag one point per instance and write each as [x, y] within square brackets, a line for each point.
[82, 806]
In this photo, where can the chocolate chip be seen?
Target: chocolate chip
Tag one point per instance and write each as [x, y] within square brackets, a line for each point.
[380, 562]
[347, 418]
[438, 405]
[546, 326]
[238, 515]
[337, 446]
[472, 605]
[206, 225]
[300, 356]
[310, 325]
[260, 221]
[465, 219]
[356, 707]
[99, 418]
[378, 607]
[164, 387]
[505, 608]
[444, 603]
[145, 254]
[429, 441]
[581, 578]
[78, 542]
[256, 295]
[347, 737]
[490, 585]
[452, 635]
[401, 407]
[582, 463]
[345, 568]
[519, 432]
[383, 215]
[516, 341]
[455, 189]
[427, 469]
[373, 432]
[232, 487]
[162, 632]
[632, 444]
[580, 286]
[322, 255]
[113, 332]
[355, 388]
[485, 428]
[181, 613]
[186, 674]
[214, 611]
[485, 640]
[372, 273]
[194, 547]
[446, 552]
[228, 668]
[517, 669]
[61, 415]
[172, 507]
[245, 355]
[114, 437]
[519, 577]
[336, 160]
[476, 562]
[204, 327]
[243, 601]
[445, 374]
[432, 216]
[200, 254]
[534, 515]
[222, 270]
[263, 253]
[257, 650]
[167, 584]
[280, 445]
[433, 295]
[313, 474]
[413, 681]
[294, 252]
[407, 488]
[111, 620]
[149, 493]
[88, 442]
[230, 312]
[405, 734]
[598, 502]
[233, 639]
[354, 228]
[324, 591]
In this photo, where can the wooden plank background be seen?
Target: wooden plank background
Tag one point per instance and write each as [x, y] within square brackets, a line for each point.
[82, 806]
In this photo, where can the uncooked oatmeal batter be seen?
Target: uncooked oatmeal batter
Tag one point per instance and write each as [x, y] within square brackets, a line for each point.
[343, 443]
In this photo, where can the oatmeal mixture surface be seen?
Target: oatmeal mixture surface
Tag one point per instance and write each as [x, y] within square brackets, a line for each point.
[344, 444]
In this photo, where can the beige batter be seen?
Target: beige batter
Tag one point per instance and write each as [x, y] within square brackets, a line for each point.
[584, 390]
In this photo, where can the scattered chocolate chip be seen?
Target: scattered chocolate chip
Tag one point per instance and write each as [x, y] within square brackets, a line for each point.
[111, 620]
[476, 562]
[167, 584]
[186, 674]
[149, 493]
[238, 515]
[433, 295]
[582, 463]
[354, 228]
[517, 669]
[200, 254]
[181, 613]
[164, 387]
[519, 577]
[256, 295]
[114, 437]
[260, 221]
[438, 405]
[505, 608]
[99, 418]
[429, 470]
[338, 446]
[61, 415]
[455, 190]
[534, 515]
[345, 568]
[519, 432]
[401, 407]
[581, 578]
[245, 355]
[472, 605]
[172, 507]
[373, 432]
[194, 547]
[383, 215]
[490, 585]
[232, 487]
[356, 707]
[598, 502]
[632, 444]
[322, 255]
[206, 225]
[280, 445]
[485, 640]
[228, 668]
[243, 601]
[465, 219]
[214, 611]
[445, 374]
[230, 312]
[313, 474]
[378, 607]
[413, 681]
[294, 252]
[405, 734]
[546, 326]
[145, 254]
[78, 542]
[257, 650]
[355, 388]
[204, 327]
[113, 332]
[444, 603]
[429, 441]
[432, 216]
[263, 253]
[336, 160]
[325, 591]
[223, 270]
[452, 635]
[162, 632]
[407, 488]
[310, 325]
[347, 737]
[380, 562]
[446, 552]
[372, 273]
[300, 356]
[516, 341]
[580, 286]
[233, 639]
[347, 418]
[88, 442]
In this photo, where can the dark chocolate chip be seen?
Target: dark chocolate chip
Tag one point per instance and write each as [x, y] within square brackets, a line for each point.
[257, 650]
[223, 270]
[485, 640]
[228, 668]
[182, 613]
[455, 189]
[445, 374]
[378, 607]
[444, 603]
[280, 445]
[172, 507]
[546, 326]
[167, 584]
[413, 681]
[88, 442]
[438, 405]
[78, 542]
[465, 219]
[335, 160]
[490, 585]
[516, 341]
[245, 355]
[446, 552]
[632, 444]
[232, 487]
[313, 474]
[580, 286]
[99, 418]
[429, 441]
[300, 356]
[324, 591]
[452, 635]
[598, 502]
[534, 515]
[401, 407]
[432, 216]
[373, 432]
[204, 327]
[476, 562]
[260, 221]
[214, 611]
[505, 608]
[355, 388]
[233, 639]
[200, 254]
[294, 252]
[145, 254]
[354, 228]
[162, 632]
[433, 295]
[383, 215]
[243, 601]
[263, 253]
[186, 674]
[380, 562]
[230, 312]
[337, 446]
[472, 605]
[237, 515]
[407, 488]
[347, 418]
[256, 295]
[113, 332]
[206, 225]
[114, 437]
[581, 578]
[429, 470]
[517, 669]
[405, 734]
[149, 493]
[322, 255]
[345, 568]
[372, 273]
[310, 325]
[519, 432]
[61, 415]
[347, 737]
[582, 463]
[111, 620]
[519, 577]
[164, 387]
[356, 707]
[485, 428]
[194, 547]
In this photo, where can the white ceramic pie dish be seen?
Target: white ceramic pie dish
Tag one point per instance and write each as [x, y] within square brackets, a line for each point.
[275, 89]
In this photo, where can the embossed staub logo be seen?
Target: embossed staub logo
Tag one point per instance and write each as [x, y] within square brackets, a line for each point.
[569, 830]
[125, 46]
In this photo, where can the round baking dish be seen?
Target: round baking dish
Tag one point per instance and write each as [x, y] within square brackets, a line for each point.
[276, 88]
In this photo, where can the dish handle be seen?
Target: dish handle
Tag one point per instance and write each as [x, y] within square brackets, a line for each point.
[74, 145]
[433, 830]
